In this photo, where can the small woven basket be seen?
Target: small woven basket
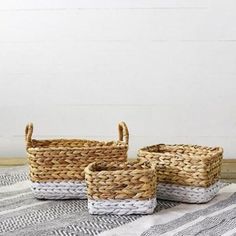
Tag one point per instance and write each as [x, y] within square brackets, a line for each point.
[57, 165]
[188, 165]
[121, 188]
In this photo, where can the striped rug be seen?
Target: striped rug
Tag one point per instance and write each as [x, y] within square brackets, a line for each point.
[21, 214]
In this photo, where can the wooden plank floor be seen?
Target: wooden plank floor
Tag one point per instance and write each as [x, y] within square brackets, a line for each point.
[12, 161]
[228, 167]
[228, 172]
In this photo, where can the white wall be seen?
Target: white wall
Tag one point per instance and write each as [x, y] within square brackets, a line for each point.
[77, 67]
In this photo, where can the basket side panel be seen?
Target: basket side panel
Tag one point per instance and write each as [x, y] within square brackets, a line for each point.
[68, 164]
[132, 185]
[185, 170]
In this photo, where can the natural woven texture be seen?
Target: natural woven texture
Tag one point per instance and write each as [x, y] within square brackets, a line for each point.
[130, 180]
[122, 207]
[65, 159]
[188, 194]
[190, 165]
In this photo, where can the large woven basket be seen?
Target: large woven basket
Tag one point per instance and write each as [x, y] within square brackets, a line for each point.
[57, 165]
[188, 165]
[121, 188]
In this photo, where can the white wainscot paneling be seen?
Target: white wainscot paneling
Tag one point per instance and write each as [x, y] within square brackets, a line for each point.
[106, 25]
[166, 67]
[118, 74]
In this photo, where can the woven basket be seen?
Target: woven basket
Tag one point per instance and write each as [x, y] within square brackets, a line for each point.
[188, 194]
[57, 165]
[188, 165]
[121, 188]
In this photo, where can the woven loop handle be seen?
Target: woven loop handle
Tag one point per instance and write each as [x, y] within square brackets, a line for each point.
[123, 132]
[28, 133]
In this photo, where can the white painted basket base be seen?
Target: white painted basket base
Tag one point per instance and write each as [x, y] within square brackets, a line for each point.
[122, 207]
[60, 190]
[187, 194]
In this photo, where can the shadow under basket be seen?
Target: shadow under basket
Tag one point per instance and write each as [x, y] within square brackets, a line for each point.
[121, 188]
[57, 165]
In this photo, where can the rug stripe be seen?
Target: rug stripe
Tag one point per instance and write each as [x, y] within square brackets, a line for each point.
[172, 225]
[22, 200]
[15, 187]
[21, 208]
[199, 219]
[13, 175]
[212, 225]
[15, 196]
[230, 232]
[44, 211]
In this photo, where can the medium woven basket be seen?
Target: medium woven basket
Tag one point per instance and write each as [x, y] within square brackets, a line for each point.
[121, 188]
[57, 165]
[188, 165]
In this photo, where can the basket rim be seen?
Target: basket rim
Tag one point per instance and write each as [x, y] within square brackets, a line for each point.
[151, 168]
[46, 148]
[219, 150]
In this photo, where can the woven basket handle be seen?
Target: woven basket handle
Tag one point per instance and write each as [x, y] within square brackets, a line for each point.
[28, 133]
[123, 132]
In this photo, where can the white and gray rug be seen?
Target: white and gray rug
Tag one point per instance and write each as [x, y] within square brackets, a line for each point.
[21, 214]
